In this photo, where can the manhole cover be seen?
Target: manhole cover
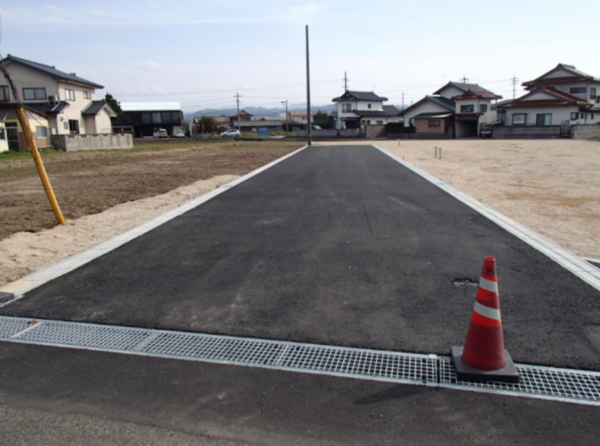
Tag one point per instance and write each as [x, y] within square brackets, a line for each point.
[465, 283]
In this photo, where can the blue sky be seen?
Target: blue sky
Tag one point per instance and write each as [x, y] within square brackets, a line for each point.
[201, 52]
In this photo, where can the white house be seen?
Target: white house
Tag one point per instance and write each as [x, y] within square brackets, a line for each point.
[563, 96]
[355, 109]
[68, 100]
[457, 109]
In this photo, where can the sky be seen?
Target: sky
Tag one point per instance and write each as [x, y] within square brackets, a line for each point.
[201, 53]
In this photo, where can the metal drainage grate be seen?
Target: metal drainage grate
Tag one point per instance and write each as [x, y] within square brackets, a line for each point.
[537, 382]
[308, 358]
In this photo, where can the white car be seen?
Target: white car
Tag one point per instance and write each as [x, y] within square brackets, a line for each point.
[232, 132]
[180, 134]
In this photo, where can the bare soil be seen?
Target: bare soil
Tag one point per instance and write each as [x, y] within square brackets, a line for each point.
[91, 182]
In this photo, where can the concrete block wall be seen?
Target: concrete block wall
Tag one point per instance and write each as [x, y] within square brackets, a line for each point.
[374, 131]
[525, 132]
[585, 131]
[73, 143]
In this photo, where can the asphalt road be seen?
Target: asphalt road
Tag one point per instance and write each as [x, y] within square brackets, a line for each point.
[54, 396]
[335, 245]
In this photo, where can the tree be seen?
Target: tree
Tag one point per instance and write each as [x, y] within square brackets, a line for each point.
[321, 119]
[114, 104]
[207, 124]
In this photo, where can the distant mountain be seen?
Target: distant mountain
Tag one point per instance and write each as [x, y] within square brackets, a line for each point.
[256, 111]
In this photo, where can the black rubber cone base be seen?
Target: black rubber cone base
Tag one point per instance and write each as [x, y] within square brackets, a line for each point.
[5, 297]
[507, 374]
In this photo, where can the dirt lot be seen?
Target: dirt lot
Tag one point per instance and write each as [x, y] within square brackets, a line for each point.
[90, 182]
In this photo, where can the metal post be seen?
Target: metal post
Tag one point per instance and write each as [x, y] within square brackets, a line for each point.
[308, 121]
[237, 97]
[440, 150]
[435, 149]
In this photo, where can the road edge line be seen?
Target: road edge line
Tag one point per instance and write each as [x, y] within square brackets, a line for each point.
[566, 259]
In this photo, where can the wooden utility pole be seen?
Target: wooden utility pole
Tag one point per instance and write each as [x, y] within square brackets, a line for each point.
[34, 150]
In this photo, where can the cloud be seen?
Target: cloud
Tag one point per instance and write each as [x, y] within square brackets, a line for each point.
[131, 14]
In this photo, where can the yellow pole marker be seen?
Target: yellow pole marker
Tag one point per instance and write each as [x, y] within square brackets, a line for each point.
[39, 164]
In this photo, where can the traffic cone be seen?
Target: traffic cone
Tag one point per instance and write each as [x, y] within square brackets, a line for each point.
[483, 358]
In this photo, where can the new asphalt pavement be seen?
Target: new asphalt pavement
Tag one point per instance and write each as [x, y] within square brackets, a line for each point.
[335, 245]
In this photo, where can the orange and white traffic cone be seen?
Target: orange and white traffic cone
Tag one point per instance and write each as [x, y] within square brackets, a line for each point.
[483, 358]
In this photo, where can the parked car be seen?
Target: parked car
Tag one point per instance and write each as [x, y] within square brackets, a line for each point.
[487, 131]
[161, 133]
[231, 133]
[180, 134]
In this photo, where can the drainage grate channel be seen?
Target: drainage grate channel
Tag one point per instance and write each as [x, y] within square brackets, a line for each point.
[308, 358]
[575, 386]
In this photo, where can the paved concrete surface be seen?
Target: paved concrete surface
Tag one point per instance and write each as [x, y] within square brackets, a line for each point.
[335, 245]
[61, 396]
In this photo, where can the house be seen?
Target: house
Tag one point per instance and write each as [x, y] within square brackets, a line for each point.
[457, 109]
[356, 109]
[3, 142]
[260, 124]
[299, 116]
[14, 137]
[68, 100]
[563, 96]
[143, 119]
[243, 116]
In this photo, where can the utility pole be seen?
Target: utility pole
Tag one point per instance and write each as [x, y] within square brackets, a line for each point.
[464, 79]
[345, 82]
[308, 123]
[402, 100]
[514, 82]
[287, 127]
[237, 98]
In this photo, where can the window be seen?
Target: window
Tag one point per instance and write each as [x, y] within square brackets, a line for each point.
[543, 119]
[166, 117]
[2, 135]
[41, 132]
[591, 116]
[369, 105]
[435, 123]
[593, 93]
[66, 125]
[87, 94]
[146, 118]
[176, 118]
[467, 108]
[346, 108]
[519, 119]
[574, 116]
[575, 90]
[69, 94]
[30, 94]
[379, 122]
[483, 108]
[156, 118]
[74, 126]
[4, 96]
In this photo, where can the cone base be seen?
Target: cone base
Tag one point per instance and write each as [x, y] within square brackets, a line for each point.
[507, 374]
